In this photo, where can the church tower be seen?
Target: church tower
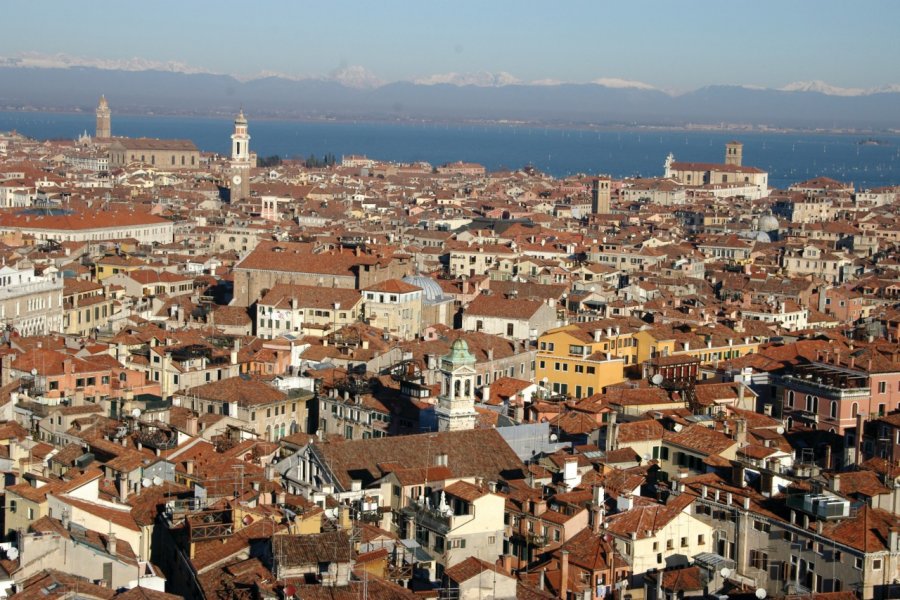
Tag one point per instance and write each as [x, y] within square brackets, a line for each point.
[240, 160]
[104, 120]
[734, 153]
[600, 196]
[456, 404]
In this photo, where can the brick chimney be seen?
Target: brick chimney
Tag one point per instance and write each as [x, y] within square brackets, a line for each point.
[563, 574]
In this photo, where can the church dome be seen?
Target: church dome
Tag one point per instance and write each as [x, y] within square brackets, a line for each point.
[768, 223]
[431, 291]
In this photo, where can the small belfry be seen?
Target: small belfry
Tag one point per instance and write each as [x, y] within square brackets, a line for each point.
[104, 119]
[456, 405]
[239, 171]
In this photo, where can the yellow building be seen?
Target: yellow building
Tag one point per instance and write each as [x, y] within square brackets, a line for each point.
[582, 359]
[708, 344]
[575, 361]
[115, 264]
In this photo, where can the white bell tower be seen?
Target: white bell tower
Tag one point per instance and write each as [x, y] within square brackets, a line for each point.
[456, 405]
[240, 159]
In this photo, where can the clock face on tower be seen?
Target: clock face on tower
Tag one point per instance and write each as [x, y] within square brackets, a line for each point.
[236, 180]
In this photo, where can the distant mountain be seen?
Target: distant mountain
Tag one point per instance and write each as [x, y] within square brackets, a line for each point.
[355, 95]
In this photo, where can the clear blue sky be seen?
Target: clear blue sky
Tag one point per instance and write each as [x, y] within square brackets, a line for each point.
[671, 44]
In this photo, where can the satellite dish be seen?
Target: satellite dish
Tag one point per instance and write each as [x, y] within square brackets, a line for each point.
[657, 379]
[157, 480]
[724, 571]
[145, 482]
[136, 413]
[646, 456]
[12, 553]
[34, 372]
[553, 437]
[678, 427]
[760, 593]
[780, 431]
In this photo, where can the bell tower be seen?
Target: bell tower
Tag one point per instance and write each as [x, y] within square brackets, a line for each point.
[600, 196]
[734, 153]
[456, 405]
[240, 160]
[104, 119]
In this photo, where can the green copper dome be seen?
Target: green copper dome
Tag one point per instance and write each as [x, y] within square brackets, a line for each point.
[459, 353]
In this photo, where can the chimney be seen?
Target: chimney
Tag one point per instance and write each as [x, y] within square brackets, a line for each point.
[123, 488]
[860, 421]
[563, 574]
[541, 580]
[836, 483]
[111, 543]
[486, 394]
[571, 477]
[189, 466]
[740, 429]
[611, 432]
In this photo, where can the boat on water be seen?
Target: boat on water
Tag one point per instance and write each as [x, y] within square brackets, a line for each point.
[873, 142]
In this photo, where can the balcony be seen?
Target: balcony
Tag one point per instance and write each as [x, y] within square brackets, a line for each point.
[828, 382]
[428, 516]
[209, 525]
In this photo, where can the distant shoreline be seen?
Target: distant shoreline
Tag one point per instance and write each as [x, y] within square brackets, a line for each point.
[735, 128]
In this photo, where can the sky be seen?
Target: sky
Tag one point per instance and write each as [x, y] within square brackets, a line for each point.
[670, 44]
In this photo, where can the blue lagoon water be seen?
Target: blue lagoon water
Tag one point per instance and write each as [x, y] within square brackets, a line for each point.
[788, 157]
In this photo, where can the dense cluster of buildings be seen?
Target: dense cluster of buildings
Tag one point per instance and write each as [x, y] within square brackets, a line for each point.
[379, 380]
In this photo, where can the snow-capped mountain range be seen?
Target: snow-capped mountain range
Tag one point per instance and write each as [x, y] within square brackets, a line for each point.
[138, 85]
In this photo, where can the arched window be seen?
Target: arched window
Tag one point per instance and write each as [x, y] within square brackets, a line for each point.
[834, 407]
[468, 387]
[456, 388]
[791, 398]
[854, 410]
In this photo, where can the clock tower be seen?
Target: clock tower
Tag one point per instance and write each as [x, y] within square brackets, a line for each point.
[239, 172]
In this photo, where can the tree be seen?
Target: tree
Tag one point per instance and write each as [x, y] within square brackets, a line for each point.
[268, 161]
